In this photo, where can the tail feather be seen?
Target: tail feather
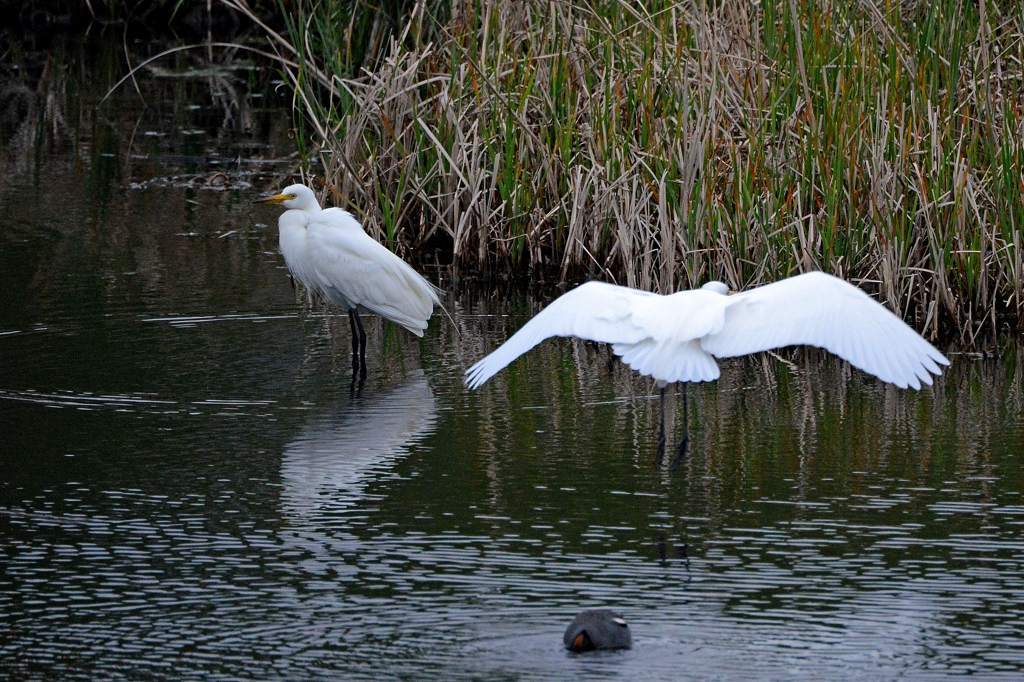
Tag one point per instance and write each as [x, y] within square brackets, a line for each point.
[416, 304]
[668, 362]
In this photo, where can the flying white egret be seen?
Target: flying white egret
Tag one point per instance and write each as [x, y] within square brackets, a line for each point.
[677, 337]
[330, 254]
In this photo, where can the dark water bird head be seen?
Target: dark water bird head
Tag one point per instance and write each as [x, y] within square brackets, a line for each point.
[597, 629]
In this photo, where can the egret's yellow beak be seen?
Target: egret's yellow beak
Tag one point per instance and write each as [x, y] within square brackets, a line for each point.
[275, 199]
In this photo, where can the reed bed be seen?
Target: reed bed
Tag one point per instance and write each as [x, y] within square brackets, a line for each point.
[660, 144]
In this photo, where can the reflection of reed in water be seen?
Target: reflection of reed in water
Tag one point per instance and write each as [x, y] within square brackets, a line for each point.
[772, 424]
[330, 462]
[163, 246]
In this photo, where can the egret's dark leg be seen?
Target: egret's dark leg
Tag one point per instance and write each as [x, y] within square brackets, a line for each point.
[355, 339]
[362, 345]
[684, 444]
[660, 456]
[355, 389]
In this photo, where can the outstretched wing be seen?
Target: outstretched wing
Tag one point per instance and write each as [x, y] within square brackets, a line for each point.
[595, 311]
[817, 309]
[351, 267]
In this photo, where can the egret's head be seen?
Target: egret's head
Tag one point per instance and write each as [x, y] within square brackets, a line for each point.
[717, 287]
[294, 196]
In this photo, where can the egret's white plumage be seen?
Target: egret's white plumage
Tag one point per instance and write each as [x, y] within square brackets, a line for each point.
[329, 253]
[353, 269]
[677, 337]
[292, 241]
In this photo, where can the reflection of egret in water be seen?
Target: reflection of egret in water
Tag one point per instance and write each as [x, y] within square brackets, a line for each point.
[331, 461]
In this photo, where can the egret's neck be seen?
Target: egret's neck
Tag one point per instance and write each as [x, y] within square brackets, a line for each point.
[294, 218]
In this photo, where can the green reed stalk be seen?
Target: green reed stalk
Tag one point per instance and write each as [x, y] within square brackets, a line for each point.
[661, 143]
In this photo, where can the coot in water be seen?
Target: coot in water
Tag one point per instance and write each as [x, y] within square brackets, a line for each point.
[597, 629]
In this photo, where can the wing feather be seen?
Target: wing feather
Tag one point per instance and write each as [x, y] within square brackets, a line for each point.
[817, 309]
[353, 269]
[595, 311]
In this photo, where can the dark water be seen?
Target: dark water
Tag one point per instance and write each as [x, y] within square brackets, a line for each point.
[189, 488]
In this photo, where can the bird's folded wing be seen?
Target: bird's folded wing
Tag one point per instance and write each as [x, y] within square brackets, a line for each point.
[595, 311]
[817, 309]
[366, 273]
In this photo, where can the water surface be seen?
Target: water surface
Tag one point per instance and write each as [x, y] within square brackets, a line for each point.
[191, 486]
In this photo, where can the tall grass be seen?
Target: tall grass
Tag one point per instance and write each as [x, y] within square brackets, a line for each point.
[660, 144]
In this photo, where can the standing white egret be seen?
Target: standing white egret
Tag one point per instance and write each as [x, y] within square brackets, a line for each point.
[329, 253]
[677, 337]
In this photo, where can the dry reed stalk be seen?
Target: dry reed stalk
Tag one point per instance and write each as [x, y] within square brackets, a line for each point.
[660, 144]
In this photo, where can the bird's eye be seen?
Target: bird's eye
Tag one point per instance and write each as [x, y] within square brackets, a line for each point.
[619, 621]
